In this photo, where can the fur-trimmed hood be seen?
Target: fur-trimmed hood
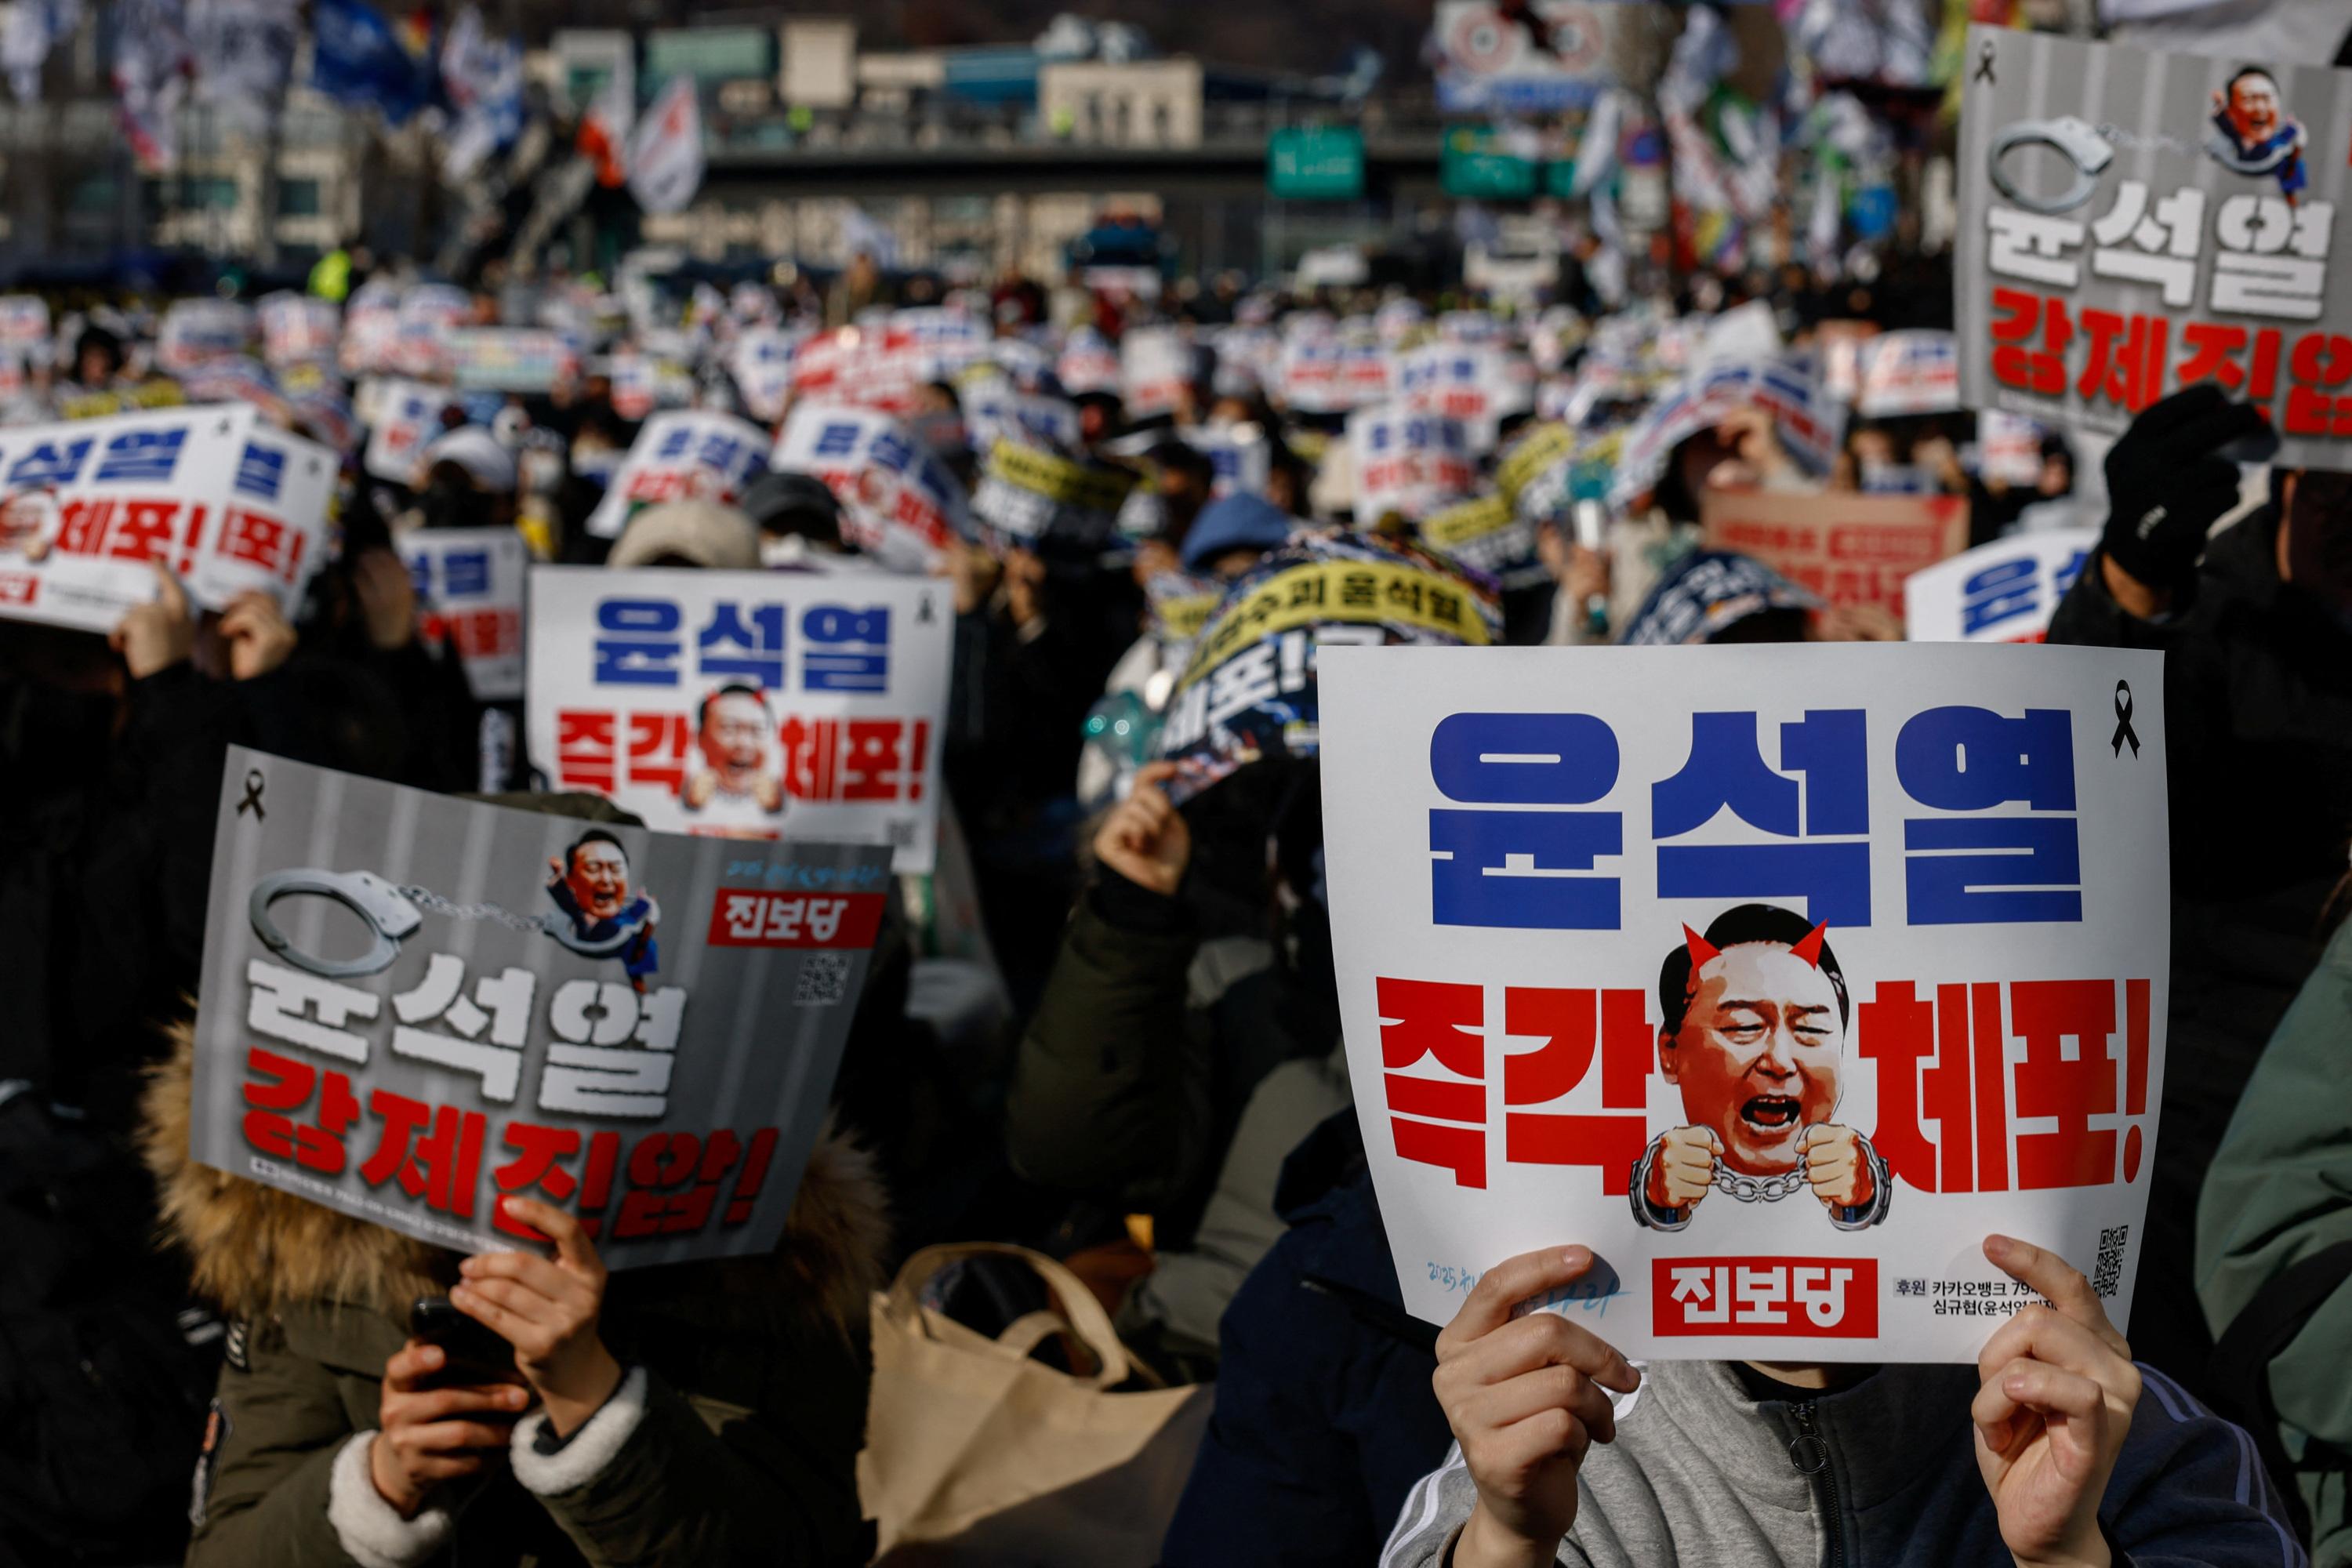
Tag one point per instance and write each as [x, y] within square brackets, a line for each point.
[256, 1250]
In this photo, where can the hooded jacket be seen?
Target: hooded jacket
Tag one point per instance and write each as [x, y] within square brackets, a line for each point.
[1702, 1471]
[732, 1437]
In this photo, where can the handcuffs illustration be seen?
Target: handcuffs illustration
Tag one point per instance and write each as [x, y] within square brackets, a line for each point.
[395, 912]
[2075, 139]
[1763, 1189]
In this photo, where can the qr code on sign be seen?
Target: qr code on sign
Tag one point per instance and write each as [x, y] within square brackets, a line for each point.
[2109, 1273]
[824, 979]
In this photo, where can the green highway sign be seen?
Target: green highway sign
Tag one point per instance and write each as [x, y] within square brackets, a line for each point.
[1315, 163]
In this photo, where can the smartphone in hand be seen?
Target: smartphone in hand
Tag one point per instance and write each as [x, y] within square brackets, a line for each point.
[478, 1356]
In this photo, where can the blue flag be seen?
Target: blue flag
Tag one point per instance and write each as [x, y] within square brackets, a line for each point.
[359, 59]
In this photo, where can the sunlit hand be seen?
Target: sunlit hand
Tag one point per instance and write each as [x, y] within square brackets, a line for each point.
[546, 1309]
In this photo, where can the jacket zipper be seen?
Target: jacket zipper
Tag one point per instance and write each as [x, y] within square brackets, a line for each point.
[1810, 1455]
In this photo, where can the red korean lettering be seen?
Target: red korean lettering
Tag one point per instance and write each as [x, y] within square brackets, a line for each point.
[1439, 1020]
[443, 1166]
[2319, 362]
[269, 1125]
[2020, 316]
[1571, 1024]
[2126, 360]
[2071, 1090]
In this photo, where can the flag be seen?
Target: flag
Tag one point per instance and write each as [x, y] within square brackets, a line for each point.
[666, 149]
[356, 58]
[482, 79]
[605, 130]
[151, 62]
[29, 32]
[243, 52]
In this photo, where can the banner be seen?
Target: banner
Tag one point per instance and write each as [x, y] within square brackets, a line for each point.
[1537, 57]
[994, 410]
[1913, 372]
[196, 331]
[469, 596]
[1809, 422]
[1781, 1041]
[2002, 592]
[1333, 375]
[1849, 548]
[900, 504]
[683, 454]
[1486, 535]
[1469, 381]
[403, 418]
[299, 329]
[510, 359]
[746, 704]
[88, 502]
[2100, 269]
[1407, 462]
[665, 154]
[638, 1029]
[1027, 495]
[357, 59]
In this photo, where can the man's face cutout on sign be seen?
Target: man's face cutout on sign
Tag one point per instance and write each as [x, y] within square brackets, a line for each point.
[599, 876]
[1753, 1032]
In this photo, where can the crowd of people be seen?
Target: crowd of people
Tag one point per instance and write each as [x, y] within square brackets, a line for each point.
[1156, 1097]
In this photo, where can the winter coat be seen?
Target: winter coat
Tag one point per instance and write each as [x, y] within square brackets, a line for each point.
[2257, 705]
[1703, 1470]
[1325, 1414]
[732, 1439]
[2281, 1191]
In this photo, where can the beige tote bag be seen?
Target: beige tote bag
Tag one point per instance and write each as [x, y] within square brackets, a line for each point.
[975, 1452]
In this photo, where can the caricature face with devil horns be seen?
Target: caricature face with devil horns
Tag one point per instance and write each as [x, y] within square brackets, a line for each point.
[1755, 1049]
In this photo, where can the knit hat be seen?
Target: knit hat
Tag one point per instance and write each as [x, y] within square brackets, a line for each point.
[705, 532]
[1237, 521]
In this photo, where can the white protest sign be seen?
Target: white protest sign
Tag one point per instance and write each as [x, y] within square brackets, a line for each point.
[510, 359]
[195, 331]
[746, 704]
[1408, 462]
[1911, 372]
[469, 596]
[90, 502]
[24, 323]
[681, 455]
[299, 329]
[994, 410]
[644, 1033]
[2002, 592]
[761, 361]
[273, 536]
[1331, 375]
[1155, 368]
[900, 504]
[404, 419]
[1778, 976]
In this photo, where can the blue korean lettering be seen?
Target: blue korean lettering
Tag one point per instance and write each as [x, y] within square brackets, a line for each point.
[850, 651]
[2065, 576]
[1516, 867]
[758, 647]
[891, 452]
[637, 642]
[836, 440]
[1981, 870]
[141, 457]
[49, 463]
[673, 443]
[721, 451]
[261, 472]
[2001, 591]
[1726, 768]
[467, 572]
[420, 575]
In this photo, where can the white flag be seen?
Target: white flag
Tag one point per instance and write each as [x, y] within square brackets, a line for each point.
[666, 149]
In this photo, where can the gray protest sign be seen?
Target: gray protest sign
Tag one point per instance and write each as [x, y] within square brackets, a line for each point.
[414, 1006]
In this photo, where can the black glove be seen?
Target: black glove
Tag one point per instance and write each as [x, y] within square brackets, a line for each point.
[2167, 488]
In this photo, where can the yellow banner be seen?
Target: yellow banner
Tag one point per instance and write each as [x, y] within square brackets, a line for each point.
[1362, 592]
[157, 394]
[1448, 531]
[1540, 450]
[1058, 479]
[1182, 619]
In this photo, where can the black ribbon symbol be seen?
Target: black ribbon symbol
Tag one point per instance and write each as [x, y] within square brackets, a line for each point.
[1984, 64]
[252, 801]
[2123, 719]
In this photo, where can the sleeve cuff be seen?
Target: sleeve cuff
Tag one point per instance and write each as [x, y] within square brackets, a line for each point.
[584, 1454]
[370, 1529]
[1126, 906]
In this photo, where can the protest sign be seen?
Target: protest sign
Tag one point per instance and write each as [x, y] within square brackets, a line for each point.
[299, 329]
[1155, 371]
[683, 454]
[761, 361]
[900, 504]
[2002, 592]
[510, 359]
[1089, 363]
[25, 325]
[1849, 548]
[371, 330]
[1486, 535]
[747, 704]
[90, 502]
[2009, 449]
[1490, 57]
[273, 536]
[469, 596]
[995, 410]
[2132, 223]
[1469, 381]
[1029, 496]
[640, 1028]
[1408, 462]
[429, 313]
[195, 331]
[1332, 374]
[1239, 455]
[1809, 422]
[1248, 685]
[402, 419]
[1780, 1070]
[1911, 372]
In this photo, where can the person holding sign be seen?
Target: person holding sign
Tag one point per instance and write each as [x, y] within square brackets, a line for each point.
[2044, 1453]
[1755, 1015]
